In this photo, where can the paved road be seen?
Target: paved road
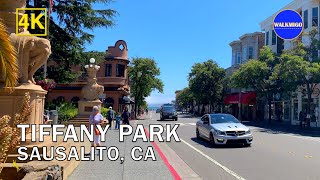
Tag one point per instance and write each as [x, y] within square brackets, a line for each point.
[129, 169]
[272, 156]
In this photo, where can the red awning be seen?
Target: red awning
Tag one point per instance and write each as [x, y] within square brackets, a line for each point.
[246, 98]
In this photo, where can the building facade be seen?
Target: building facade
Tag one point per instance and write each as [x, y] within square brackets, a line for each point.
[242, 102]
[113, 75]
[293, 104]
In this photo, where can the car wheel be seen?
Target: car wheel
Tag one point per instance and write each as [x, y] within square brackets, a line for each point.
[213, 144]
[176, 119]
[197, 134]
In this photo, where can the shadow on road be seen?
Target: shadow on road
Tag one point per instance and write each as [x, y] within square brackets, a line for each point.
[166, 120]
[285, 129]
[208, 145]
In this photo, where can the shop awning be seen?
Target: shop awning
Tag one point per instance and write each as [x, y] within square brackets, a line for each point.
[246, 98]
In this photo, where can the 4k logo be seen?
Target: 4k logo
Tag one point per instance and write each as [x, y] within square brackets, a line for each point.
[32, 21]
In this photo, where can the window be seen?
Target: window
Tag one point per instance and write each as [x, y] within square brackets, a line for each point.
[120, 70]
[274, 38]
[244, 54]
[223, 118]
[315, 16]
[239, 58]
[233, 58]
[250, 53]
[305, 19]
[108, 70]
[267, 38]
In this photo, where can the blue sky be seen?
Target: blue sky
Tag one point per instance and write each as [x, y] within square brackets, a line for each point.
[179, 33]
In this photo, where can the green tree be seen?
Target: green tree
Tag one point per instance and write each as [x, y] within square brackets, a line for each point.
[300, 67]
[259, 75]
[70, 30]
[143, 75]
[206, 83]
[184, 98]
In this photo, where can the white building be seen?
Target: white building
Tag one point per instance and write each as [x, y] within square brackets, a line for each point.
[309, 10]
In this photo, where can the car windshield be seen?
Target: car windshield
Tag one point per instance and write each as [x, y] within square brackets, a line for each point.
[223, 118]
[168, 108]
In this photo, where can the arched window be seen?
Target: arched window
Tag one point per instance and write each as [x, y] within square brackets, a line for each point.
[108, 102]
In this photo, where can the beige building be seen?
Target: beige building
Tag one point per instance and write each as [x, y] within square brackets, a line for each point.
[242, 102]
[113, 75]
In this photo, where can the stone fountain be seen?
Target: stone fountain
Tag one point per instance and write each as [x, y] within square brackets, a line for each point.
[91, 91]
[32, 53]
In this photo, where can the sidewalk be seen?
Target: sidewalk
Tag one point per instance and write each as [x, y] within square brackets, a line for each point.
[130, 169]
[285, 127]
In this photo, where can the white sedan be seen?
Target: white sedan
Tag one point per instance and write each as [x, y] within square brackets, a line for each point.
[221, 129]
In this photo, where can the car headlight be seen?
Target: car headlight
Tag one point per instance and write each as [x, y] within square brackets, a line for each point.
[219, 132]
[248, 132]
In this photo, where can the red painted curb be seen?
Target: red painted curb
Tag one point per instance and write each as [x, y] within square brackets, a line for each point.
[165, 160]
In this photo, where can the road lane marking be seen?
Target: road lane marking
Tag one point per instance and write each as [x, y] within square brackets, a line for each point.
[214, 161]
[193, 124]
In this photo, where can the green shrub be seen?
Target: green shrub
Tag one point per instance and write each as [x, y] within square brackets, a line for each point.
[67, 111]
[104, 112]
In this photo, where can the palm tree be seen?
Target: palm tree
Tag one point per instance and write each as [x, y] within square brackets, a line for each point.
[8, 60]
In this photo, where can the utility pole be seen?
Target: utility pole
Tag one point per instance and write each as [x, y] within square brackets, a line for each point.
[239, 104]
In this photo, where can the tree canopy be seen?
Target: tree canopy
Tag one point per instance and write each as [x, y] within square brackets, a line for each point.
[70, 26]
[206, 82]
[184, 98]
[143, 76]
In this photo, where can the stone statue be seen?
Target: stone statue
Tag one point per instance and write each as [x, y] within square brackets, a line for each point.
[32, 51]
[92, 89]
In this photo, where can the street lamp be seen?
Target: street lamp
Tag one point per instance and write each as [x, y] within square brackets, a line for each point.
[92, 61]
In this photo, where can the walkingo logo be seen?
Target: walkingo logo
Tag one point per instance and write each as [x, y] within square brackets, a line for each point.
[288, 24]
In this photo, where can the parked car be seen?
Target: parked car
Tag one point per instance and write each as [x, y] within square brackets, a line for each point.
[168, 112]
[221, 129]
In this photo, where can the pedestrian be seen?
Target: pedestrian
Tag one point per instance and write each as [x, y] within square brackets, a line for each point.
[125, 116]
[302, 118]
[147, 111]
[110, 117]
[95, 119]
[118, 119]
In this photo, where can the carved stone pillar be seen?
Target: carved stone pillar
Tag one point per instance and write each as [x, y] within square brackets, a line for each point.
[32, 53]
[91, 91]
